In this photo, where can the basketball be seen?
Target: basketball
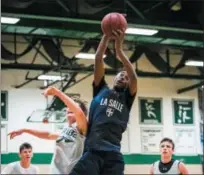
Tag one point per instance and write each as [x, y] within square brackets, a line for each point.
[113, 21]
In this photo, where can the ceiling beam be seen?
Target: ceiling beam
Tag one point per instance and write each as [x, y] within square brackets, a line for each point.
[40, 67]
[61, 3]
[189, 88]
[166, 75]
[98, 22]
[82, 38]
[174, 39]
[135, 10]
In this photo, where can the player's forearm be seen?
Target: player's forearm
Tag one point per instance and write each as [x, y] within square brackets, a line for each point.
[40, 134]
[102, 48]
[80, 116]
[99, 62]
[127, 65]
[69, 102]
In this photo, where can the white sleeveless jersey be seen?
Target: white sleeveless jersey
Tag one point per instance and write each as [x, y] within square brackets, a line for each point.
[173, 170]
[68, 150]
[16, 168]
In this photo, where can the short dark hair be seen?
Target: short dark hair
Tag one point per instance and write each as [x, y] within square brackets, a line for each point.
[25, 146]
[82, 105]
[166, 139]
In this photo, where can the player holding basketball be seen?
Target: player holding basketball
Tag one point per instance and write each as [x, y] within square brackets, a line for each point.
[70, 142]
[23, 166]
[109, 114]
[167, 165]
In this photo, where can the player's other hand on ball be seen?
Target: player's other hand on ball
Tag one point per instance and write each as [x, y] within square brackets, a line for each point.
[15, 133]
[50, 91]
[119, 38]
[118, 35]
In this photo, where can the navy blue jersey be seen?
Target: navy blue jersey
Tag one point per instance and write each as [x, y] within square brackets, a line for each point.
[108, 117]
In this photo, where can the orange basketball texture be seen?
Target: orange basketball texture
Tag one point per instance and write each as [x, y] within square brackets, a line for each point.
[113, 21]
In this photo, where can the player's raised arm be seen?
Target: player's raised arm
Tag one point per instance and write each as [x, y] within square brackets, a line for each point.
[99, 63]
[73, 106]
[119, 37]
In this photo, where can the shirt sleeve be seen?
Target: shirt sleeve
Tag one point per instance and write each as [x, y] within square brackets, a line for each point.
[37, 170]
[8, 169]
[101, 85]
[129, 98]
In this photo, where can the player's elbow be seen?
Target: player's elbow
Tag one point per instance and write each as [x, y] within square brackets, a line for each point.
[83, 128]
[84, 131]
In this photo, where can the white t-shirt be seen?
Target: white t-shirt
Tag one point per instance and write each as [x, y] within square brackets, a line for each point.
[68, 150]
[16, 168]
[174, 169]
